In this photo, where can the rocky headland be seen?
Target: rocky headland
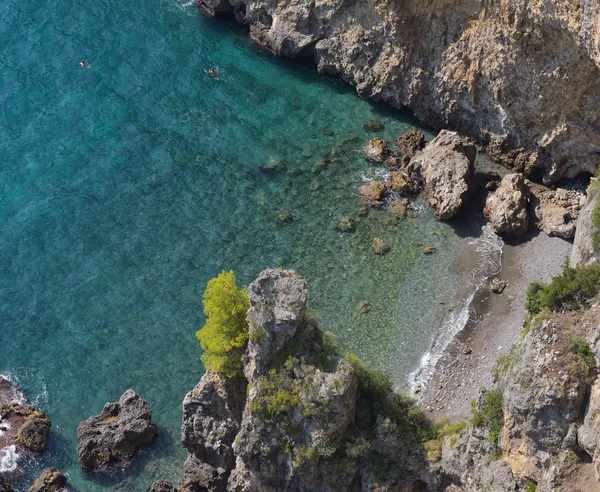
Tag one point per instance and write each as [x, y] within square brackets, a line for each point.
[519, 77]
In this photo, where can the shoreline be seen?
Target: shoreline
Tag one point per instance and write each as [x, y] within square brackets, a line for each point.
[494, 325]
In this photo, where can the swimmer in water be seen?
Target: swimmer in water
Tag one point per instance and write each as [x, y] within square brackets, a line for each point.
[213, 73]
[84, 64]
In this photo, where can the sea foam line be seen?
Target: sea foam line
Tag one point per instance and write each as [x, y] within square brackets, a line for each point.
[489, 245]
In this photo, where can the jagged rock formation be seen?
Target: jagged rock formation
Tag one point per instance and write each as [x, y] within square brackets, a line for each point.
[547, 424]
[303, 418]
[506, 208]
[50, 480]
[512, 74]
[115, 434]
[445, 167]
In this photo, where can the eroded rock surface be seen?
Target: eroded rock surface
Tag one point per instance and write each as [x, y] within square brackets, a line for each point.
[115, 434]
[445, 167]
[50, 480]
[506, 208]
[584, 249]
[512, 74]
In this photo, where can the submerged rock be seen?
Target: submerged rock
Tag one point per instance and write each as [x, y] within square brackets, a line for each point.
[377, 150]
[161, 486]
[398, 207]
[445, 167]
[50, 480]
[115, 435]
[372, 125]
[380, 247]
[506, 208]
[5, 486]
[345, 224]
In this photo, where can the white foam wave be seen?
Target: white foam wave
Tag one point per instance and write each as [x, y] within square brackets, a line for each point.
[489, 246]
[9, 459]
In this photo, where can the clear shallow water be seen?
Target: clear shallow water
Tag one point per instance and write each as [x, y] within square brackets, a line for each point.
[126, 187]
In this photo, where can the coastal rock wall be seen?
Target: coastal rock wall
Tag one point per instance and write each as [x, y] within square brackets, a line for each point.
[512, 74]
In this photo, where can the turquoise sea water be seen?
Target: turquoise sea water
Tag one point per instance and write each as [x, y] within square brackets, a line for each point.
[125, 187]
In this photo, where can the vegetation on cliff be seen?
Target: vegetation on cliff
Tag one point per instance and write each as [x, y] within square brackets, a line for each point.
[225, 333]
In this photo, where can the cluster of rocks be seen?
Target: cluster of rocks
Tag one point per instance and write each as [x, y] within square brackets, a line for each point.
[443, 169]
[25, 429]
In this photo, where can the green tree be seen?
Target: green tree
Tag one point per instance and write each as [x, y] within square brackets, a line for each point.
[225, 333]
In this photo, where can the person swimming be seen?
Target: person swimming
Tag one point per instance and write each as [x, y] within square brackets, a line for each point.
[84, 64]
[213, 73]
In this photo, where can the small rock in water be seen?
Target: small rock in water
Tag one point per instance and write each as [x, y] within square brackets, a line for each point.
[377, 150]
[467, 350]
[364, 307]
[285, 216]
[273, 166]
[498, 285]
[50, 480]
[428, 250]
[321, 165]
[380, 247]
[345, 224]
[371, 194]
[372, 125]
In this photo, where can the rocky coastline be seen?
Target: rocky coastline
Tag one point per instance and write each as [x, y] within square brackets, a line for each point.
[519, 77]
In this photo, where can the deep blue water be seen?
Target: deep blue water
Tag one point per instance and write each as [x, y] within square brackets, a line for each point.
[127, 186]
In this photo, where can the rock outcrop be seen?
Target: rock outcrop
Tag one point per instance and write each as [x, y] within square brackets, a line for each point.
[506, 208]
[377, 150]
[556, 210]
[115, 434]
[50, 480]
[445, 167]
[303, 418]
[584, 249]
[512, 74]
[545, 421]
[25, 427]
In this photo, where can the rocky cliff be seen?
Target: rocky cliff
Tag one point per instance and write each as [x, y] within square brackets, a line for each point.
[513, 74]
[304, 417]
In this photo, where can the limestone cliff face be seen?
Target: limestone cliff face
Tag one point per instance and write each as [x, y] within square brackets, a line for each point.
[510, 73]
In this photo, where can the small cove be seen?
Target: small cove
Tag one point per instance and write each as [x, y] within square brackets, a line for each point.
[126, 187]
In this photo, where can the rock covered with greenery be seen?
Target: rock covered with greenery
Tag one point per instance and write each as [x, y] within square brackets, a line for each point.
[305, 416]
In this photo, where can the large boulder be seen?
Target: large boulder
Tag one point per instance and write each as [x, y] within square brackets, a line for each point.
[446, 169]
[50, 480]
[115, 434]
[506, 208]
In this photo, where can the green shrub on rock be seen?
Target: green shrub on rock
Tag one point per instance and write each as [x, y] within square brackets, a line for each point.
[491, 414]
[574, 286]
[225, 333]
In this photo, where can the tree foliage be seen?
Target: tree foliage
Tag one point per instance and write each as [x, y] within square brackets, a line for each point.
[225, 333]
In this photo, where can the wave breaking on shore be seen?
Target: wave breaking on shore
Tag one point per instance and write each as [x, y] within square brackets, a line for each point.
[488, 247]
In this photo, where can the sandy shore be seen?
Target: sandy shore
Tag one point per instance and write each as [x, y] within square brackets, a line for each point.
[494, 325]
